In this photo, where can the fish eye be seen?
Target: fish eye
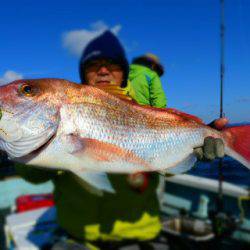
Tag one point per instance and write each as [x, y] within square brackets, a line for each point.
[26, 90]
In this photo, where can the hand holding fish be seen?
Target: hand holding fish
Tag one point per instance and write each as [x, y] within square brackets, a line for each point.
[212, 147]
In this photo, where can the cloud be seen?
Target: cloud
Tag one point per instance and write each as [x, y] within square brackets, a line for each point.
[76, 40]
[10, 76]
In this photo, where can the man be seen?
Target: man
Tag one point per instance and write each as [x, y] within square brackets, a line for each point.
[144, 75]
[113, 220]
[133, 212]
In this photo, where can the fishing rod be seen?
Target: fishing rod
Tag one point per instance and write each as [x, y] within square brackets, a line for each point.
[222, 72]
[223, 223]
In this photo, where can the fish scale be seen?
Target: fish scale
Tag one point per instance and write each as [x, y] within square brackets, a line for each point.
[142, 141]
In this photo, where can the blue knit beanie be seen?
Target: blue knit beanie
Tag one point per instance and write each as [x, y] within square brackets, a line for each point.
[105, 46]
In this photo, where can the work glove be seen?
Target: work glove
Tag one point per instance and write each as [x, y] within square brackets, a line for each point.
[212, 147]
[138, 181]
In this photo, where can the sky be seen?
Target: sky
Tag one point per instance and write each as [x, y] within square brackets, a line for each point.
[41, 39]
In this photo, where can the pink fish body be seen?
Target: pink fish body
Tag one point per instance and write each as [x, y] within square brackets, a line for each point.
[54, 123]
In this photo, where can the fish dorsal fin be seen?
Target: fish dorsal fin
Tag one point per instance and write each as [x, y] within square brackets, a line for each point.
[184, 115]
[117, 91]
[173, 111]
[122, 94]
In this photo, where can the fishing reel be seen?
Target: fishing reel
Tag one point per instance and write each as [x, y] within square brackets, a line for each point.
[223, 224]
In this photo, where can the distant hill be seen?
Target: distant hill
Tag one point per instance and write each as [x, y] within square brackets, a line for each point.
[238, 124]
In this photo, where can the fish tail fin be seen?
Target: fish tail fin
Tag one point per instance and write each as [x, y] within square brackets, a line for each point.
[237, 144]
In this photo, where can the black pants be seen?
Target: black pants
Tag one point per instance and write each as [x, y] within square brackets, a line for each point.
[63, 241]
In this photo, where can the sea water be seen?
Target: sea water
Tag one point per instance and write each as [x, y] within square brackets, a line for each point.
[233, 171]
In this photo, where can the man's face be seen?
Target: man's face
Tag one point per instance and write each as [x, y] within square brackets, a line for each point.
[103, 71]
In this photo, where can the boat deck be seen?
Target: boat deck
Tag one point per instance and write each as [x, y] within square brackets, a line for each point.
[183, 194]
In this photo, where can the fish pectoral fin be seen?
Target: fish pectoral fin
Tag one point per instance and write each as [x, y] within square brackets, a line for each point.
[103, 151]
[181, 167]
[94, 182]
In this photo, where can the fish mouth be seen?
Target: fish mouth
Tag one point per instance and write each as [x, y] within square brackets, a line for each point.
[18, 141]
[26, 146]
[26, 131]
[9, 128]
[4, 110]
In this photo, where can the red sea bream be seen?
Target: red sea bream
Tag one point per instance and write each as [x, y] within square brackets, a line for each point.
[55, 123]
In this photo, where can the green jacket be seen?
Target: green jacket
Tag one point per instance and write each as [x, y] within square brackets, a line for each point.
[147, 86]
